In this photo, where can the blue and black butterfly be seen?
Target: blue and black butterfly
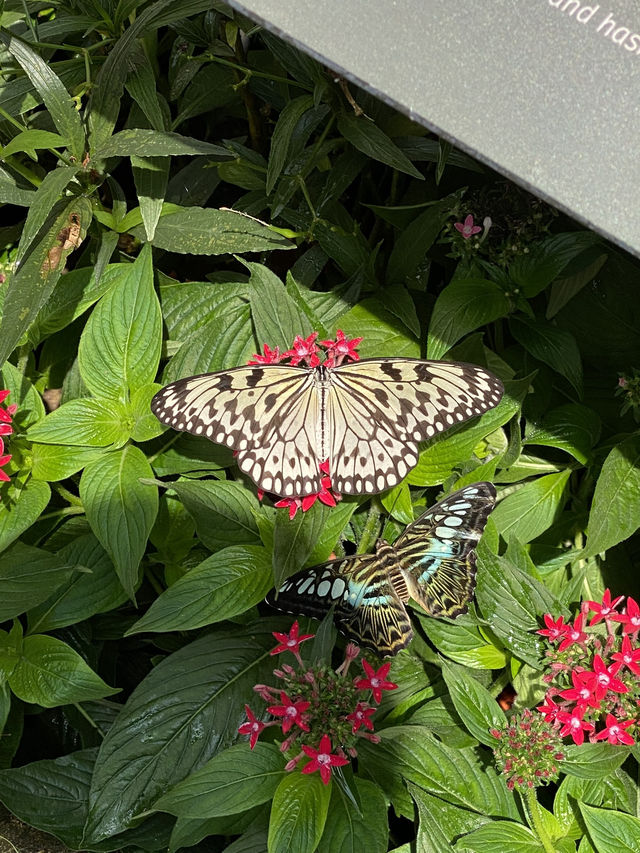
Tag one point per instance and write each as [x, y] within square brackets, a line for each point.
[433, 562]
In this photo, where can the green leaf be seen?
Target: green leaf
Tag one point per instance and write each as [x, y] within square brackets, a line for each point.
[51, 794]
[463, 306]
[367, 137]
[50, 673]
[190, 705]
[222, 510]
[207, 231]
[22, 394]
[281, 138]
[347, 831]
[384, 334]
[462, 642]
[572, 427]
[512, 603]
[335, 523]
[477, 708]
[615, 510]
[151, 177]
[298, 814]
[295, 539]
[144, 142]
[276, 316]
[611, 831]
[563, 290]
[21, 510]
[92, 588]
[57, 100]
[233, 781]
[31, 140]
[221, 587]
[84, 422]
[501, 835]
[440, 822]
[593, 760]
[120, 346]
[551, 345]
[28, 576]
[33, 283]
[120, 510]
[533, 508]
[535, 270]
[397, 502]
[416, 239]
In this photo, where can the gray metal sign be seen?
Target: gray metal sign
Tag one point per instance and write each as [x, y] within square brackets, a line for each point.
[545, 91]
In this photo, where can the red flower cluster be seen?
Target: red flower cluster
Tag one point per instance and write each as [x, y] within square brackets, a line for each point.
[317, 708]
[594, 675]
[528, 751]
[6, 415]
[305, 351]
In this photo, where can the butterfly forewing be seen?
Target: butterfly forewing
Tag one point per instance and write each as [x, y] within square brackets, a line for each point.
[379, 409]
[367, 608]
[437, 552]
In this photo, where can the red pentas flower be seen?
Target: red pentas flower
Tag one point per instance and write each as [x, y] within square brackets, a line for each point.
[6, 415]
[270, 356]
[325, 495]
[340, 349]
[375, 680]
[593, 673]
[303, 350]
[317, 702]
[322, 759]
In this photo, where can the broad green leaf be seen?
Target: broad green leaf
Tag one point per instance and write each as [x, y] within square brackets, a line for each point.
[221, 587]
[532, 509]
[207, 231]
[463, 306]
[564, 289]
[397, 502]
[144, 142]
[295, 539]
[51, 794]
[28, 576]
[593, 760]
[551, 345]
[440, 822]
[281, 137]
[31, 140]
[33, 283]
[512, 602]
[222, 510]
[571, 427]
[501, 835]
[611, 831]
[384, 334]
[120, 346]
[234, 780]
[50, 673]
[92, 588]
[533, 271]
[85, 422]
[477, 708]
[276, 316]
[141, 85]
[335, 523]
[21, 394]
[21, 509]
[461, 642]
[15, 189]
[57, 100]
[615, 510]
[367, 137]
[298, 814]
[120, 510]
[347, 831]
[187, 305]
[416, 239]
[190, 706]
[441, 718]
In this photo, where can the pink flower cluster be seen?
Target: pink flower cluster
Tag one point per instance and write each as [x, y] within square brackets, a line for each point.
[321, 712]
[305, 351]
[595, 675]
[6, 415]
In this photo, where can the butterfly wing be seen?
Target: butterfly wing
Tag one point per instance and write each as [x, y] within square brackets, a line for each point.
[437, 552]
[379, 409]
[268, 414]
[367, 608]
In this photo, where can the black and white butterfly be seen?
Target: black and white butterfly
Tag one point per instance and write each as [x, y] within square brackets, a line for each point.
[365, 418]
[433, 562]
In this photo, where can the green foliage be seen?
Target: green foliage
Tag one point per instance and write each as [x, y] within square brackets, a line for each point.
[185, 189]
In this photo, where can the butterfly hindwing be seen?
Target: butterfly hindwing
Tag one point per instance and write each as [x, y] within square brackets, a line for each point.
[437, 552]
[367, 608]
[267, 414]
[379, 409]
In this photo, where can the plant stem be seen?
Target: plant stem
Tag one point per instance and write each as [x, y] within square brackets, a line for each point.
[532, 808]
[370, 531]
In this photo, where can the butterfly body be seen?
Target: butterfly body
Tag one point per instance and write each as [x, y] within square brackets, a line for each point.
[431, 562]
[365, 418]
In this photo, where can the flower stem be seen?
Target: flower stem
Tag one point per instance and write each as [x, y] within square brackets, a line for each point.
[370, 530]
[532, 808]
